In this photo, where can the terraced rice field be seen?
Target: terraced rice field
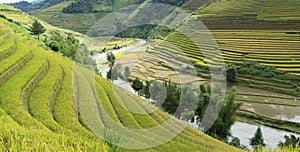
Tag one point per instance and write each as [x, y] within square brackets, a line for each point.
[248, 30]
[251, 14]
[43, 101]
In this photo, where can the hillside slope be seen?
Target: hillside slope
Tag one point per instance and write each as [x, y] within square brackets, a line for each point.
[251, 14]
[81, 15]
[39, 110]
[35, 6]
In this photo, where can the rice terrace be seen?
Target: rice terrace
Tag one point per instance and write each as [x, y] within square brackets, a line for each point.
[150, 75]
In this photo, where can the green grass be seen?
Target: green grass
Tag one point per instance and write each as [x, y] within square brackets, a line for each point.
[9, 44]
[39, 103]
[21, 52]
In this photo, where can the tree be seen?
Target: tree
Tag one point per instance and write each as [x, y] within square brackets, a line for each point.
[231, 73]
[146, 89]
[127, 73]
[290, 141]
[115, 73]
[172, 99]
[258, 140]
[225, 118]
[235, 141]
[158, 92]
[137, 85]
[37, 28]
[108, 74]
[189, 98]
[111, 58]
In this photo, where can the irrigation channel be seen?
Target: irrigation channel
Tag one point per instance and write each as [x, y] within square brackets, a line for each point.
[244, 131]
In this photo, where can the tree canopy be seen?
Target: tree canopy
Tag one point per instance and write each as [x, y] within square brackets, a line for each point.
[257, 140]
[37, 28]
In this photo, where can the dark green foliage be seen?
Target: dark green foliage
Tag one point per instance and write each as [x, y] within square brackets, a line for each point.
[80, 6]
[230, 73]
[109, 74]
[9, 20]
[257, 141]
[137, 85]
[172, 98]
[188, 99]
[87, 6]
[55, 46]
[171, 2]
[90, 6]
[69, 46]
[65, 44]
[111, 58]
[226, 118]
[235, 141]
[146, 90]
[157, 91]
[3, 16]
[180, 100]
[291, 140]
[116, 47]
[37, 28]
[145, 32]
[252, 68]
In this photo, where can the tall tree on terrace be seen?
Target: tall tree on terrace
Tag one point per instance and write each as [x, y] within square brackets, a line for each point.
[137, 85]
[257, 141]
[37, 28]
[225, 118]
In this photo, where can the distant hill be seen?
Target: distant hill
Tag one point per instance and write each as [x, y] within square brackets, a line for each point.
[81, 15]
[35, 6]
[90, 6]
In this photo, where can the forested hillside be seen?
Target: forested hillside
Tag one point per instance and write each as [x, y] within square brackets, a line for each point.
[33, 7]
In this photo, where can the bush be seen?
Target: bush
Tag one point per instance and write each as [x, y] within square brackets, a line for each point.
[55, 46]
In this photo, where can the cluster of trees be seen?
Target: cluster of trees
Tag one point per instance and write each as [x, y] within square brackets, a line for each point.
[66, 44]
[86, 6]
[252, 68]
[226, 118]
[115, 70]
[170, 96]
[69, 46]
[81, 6]
[146, 32]
[171, 2]
[257, 141]
[291, 140]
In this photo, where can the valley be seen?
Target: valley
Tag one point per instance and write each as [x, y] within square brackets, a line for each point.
[75, 87]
